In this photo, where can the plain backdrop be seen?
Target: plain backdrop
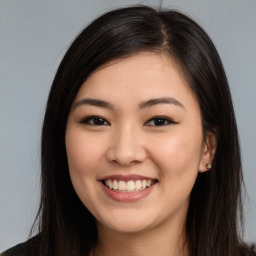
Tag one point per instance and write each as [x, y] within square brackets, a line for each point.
[35, 34]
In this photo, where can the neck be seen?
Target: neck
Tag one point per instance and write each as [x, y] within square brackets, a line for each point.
[161, 241]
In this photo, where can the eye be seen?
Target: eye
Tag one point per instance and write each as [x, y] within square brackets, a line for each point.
[94, 120]
[159, 121]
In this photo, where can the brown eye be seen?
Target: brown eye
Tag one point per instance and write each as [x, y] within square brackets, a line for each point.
[95, 120]
[159, 121]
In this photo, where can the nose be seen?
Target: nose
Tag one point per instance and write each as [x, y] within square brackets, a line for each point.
[126, 147]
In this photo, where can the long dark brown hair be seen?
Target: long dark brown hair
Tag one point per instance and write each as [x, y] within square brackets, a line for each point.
[65, 226]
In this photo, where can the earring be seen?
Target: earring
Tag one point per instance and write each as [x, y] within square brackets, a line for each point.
[208, 166]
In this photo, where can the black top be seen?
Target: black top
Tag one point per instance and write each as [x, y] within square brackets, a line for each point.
[15, 251]
[19, 249]
[31, 246]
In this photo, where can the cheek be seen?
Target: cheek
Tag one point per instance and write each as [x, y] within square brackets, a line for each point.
[84, 155]
[83, 152]
[179, 154]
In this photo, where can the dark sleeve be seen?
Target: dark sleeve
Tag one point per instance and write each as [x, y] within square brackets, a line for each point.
[30, 247]
[15, 251]
[247, 250]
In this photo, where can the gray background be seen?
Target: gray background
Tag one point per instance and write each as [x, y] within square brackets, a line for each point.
[33, 38]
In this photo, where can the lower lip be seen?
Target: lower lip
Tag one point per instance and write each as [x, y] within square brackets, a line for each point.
[127, 197]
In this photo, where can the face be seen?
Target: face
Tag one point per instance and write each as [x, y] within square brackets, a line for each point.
[135, 145]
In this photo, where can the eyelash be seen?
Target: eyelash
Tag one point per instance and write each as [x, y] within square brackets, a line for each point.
[166, 120]
[88, 120]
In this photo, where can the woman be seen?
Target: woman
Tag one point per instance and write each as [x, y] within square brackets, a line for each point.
[140, 152]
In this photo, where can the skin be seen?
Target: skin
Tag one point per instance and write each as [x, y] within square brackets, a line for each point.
[127, 142]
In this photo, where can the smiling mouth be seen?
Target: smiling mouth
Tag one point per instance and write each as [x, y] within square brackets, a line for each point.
[130, 186]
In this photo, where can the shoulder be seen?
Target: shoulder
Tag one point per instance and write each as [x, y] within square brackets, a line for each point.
[247, 251]
[29, 247]
[15, 251]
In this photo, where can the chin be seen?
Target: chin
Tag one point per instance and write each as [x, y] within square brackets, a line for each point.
[126, 227]
[126, 223]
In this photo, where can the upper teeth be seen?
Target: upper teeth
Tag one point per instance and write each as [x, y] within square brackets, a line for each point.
[129, 186]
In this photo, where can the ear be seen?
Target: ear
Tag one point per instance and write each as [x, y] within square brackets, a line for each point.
[208, 151]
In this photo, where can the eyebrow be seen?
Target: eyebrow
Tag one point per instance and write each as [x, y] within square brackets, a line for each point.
[142, 105]
[164, 100]
[94, 102]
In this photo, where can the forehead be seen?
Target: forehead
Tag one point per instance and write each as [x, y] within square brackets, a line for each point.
[136, 78]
